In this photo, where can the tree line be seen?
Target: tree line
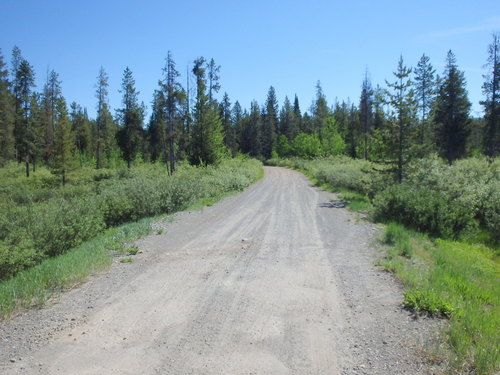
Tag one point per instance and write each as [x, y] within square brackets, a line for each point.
[415, 113]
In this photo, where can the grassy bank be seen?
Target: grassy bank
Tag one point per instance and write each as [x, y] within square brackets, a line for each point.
[58, 238]
[455, 280]
[441, 241]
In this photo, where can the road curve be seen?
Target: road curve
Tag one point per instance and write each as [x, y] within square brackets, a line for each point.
[265, 282]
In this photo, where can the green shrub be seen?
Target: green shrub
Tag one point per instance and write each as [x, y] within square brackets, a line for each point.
[32, 229]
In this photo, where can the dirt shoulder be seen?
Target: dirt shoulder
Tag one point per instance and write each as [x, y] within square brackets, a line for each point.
[265, 282]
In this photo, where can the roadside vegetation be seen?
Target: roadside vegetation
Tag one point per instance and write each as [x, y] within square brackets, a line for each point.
[53, 236]
[441, 240]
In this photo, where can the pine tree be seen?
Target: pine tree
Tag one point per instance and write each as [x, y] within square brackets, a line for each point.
[296, 125]
[425, 91]
[269, 123]
[286, 120]
[105, 126]
[237, 119]
[227, 124]
[156, 129]
[451, 113]
[174, 95]
[7, 142]
[130, 134]
[81, 128]
[251, 129]
[207, 137]
[352, 131]
[25, 81]
[51, 96]
[366, 112]
[491, 89]
[213, 79]
[401, 98]
[319, 111]
[64, 142]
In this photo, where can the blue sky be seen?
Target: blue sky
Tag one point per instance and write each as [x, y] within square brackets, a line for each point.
[288, 44]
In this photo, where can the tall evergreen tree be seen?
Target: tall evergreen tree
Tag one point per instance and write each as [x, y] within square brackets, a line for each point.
[51, 96]
[7, 142]
[105, 126]
[296, 126]
[207, 137]
[366, 112]
[82, 129]
[228, 125]
[213, 79]
[64, 142]
[286, 120]
[319, 111]
[401, 98]
[25, 81]
[269, 123]
[156, 128]
[425, 91]
[237, 119]
[252, 143]
[174, 95]
[451, 113]
[491, 89]
[130, 134]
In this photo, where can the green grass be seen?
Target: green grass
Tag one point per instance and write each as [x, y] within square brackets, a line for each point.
[34, 286]
[454, 280]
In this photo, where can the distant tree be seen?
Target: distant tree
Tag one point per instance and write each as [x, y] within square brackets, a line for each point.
[51, 95]
[352, 131]
[366, 112]
[296, 125]
[319, 111]
[38, 125]
[237, 120]
[331, 141]
[401, 98]
[286, 119]
[227, 124]
[425, 92]
[105, 126]
[491, 90]
[451, 113]
[213, 79]
[174, 95]
[207, 136]
[156, 129]
[64, 142]
[341, 116]
[378, 108]
[282, 146]
[250, 134]
[269, 123]
[25, 81]
[82, 129]
[131, 115]
[306, 146]
[7, 141]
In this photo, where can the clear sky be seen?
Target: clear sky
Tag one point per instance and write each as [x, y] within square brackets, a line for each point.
[288, 44]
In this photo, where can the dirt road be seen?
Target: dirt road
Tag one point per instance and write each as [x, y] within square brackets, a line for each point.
[266, 282]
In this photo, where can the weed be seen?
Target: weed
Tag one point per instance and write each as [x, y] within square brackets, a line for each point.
[126, 260]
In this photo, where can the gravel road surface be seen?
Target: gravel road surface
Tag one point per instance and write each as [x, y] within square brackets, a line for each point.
[271, 281]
